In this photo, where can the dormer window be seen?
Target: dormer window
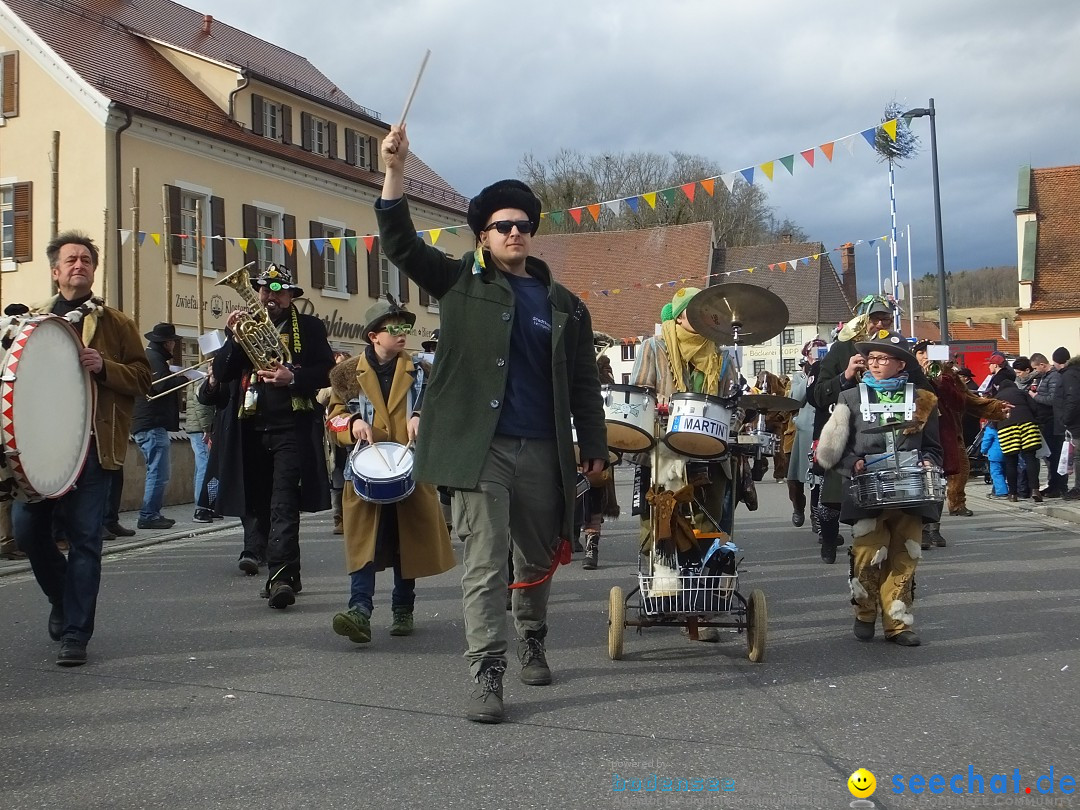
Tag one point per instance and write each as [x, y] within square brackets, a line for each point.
[271, 119]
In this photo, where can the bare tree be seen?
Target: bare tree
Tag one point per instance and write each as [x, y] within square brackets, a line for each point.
[571, 179]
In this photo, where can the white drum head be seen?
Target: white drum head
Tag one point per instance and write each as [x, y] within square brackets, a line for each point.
[47, 406]
[396, 461]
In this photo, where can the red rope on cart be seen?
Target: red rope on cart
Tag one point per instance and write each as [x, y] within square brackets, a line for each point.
[563, 555]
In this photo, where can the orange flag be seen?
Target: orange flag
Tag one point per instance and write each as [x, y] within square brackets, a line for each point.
[826, 149]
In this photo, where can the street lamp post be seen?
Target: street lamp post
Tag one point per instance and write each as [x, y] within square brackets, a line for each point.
[943, 307]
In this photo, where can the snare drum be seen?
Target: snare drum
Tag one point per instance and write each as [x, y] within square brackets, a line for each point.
[47, 410]
[629, 411]
[699, 425]
[906, 486]
[381, 472]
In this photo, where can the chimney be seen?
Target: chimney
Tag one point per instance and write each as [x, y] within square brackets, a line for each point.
[847, 273]
[207, 22]
[1004, 329]
[969, 323]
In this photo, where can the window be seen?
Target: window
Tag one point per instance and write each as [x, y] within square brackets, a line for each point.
[625, 379]
[359, 148]
[318, 135]
[788, 337]
[7, 231]
[388, 277]
[628, 351]
[789, 366]
[16, 230]
[333, 260]
[268, 228]
[759, 366]
[9, 84]
[189, 247]
[271, 120]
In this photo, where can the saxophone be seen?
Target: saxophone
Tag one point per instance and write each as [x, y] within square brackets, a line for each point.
[254, 331]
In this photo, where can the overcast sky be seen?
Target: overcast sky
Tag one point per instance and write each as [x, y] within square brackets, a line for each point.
[738, 82]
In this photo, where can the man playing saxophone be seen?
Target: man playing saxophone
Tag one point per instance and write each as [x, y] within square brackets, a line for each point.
[271, 464]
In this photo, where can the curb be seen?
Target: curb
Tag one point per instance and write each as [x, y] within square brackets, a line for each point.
[1048, 508]
[10, 567]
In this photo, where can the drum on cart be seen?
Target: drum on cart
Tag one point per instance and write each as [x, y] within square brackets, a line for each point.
[381, 472]
[897, 487]
[698, 425]
[46, 406]
[629, 411]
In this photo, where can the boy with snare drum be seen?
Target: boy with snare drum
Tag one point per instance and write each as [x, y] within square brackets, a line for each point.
[376, 398]
[886, 547]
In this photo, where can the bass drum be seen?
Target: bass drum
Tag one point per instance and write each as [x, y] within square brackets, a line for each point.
[46, 406]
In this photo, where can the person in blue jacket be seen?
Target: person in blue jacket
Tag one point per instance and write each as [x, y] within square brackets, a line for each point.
[991, 448]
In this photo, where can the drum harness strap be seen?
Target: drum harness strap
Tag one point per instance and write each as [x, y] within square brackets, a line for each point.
[563, 556]
[871, 411]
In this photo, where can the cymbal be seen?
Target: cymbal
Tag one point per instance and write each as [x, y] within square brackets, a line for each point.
[735, 314]
[769, 402]
[891, 427]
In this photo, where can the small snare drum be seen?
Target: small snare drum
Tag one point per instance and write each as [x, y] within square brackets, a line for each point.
[381, 472]
[698, 426]
[629, 411]
[896, 487]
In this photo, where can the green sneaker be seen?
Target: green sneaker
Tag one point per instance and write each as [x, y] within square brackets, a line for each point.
[403, 622]
[354, 625]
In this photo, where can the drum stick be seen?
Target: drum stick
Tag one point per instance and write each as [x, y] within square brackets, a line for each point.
[412, 93]
[379, 453]
[404, 453]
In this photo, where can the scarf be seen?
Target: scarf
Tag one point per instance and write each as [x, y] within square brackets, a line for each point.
[889, 386]
[695, 353]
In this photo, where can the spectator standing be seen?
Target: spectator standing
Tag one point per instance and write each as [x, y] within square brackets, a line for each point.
[200, 429]
[151, 423]
[1047, 396]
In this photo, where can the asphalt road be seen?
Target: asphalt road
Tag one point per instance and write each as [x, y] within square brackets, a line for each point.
[198, 695]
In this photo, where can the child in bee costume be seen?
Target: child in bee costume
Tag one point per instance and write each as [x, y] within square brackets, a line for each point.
[376, 397]
[887, 542]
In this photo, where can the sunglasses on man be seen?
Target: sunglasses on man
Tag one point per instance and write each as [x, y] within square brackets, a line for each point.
[504, 226]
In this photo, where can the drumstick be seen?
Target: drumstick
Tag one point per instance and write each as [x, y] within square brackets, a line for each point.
[378, 452]
[404, 453]
[408, 101]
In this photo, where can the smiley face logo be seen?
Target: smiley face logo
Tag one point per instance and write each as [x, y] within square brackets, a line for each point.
[862, 784]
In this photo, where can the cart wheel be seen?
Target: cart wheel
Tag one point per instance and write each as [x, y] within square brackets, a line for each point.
[757, 624]
[616, 623]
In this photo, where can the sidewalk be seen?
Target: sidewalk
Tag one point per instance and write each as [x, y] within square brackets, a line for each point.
[1051, 507]
[185, 527]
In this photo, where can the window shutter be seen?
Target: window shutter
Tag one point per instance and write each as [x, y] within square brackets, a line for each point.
[305, 131]
[425, 299]
[403, 287]
[22, 208]
[352, 284]
[217, 228]
[350, 146]
[251, 230]
[288, 231]
[373, 154]
[176, 251]
[318, 264]
[10, 90]
[373, 287]
[256, 114]
[331, 140]
[286, 124]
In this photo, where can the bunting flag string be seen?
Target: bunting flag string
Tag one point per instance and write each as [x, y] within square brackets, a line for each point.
[748, 174]
[780, 266]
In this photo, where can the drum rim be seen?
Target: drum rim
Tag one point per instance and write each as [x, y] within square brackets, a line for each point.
[708, 457]
[639, 431]
[8, 437]
[692, 395]
[629, 387]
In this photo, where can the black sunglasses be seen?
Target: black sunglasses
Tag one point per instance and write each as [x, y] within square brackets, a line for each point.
[504, 226]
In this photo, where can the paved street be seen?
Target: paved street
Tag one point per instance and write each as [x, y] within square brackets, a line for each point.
[198, 695]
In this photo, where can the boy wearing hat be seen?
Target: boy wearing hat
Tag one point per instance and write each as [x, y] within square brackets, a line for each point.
[152, 421]
[516, 365]
[271, 464]
[885, 549]
[376, 397]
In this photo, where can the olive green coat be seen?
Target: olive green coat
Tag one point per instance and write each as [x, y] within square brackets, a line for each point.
[464, 396]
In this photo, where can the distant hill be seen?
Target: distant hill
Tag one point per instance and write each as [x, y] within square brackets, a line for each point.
[994, 287]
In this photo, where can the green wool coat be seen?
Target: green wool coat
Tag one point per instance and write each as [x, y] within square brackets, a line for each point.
[462, 404]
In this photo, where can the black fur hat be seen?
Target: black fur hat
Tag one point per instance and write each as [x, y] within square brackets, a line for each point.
[503, 194]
